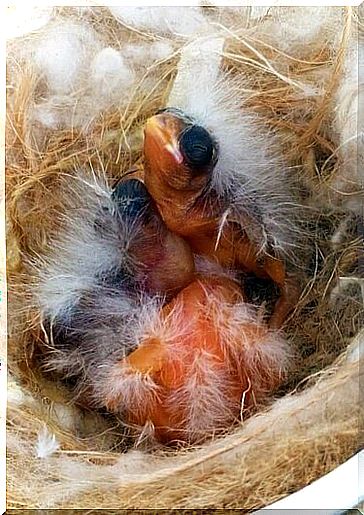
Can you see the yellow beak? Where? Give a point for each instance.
(158, 129)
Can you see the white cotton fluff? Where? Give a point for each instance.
(55, 112)
(312, 21)
(136, 53)
(356, 349)
(110, 73)
(299, 30)
(160, 50)
(201, 58)
(47, 443)
(63, 55)
(45, 115)
(82, 77)
(183, 21)
(15, 394)
(22, 19)
(347, 187)
(142, 55)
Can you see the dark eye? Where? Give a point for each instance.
(197, 146)
(132, 198)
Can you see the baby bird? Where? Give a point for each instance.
(163, 261)
(214, 187)
(208, 359)
(113, 265)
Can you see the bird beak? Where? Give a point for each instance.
(164, 134)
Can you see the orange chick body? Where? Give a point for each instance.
(178, 185)
(206, 360)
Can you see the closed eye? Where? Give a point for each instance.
(197, 146)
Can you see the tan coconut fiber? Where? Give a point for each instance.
(292, 65)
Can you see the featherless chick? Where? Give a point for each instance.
(215, 184)
(207, 362)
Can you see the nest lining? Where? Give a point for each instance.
(293, 92)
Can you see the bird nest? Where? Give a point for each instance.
(293, 67)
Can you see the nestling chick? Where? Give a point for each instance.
(206, 360)
(111, 267)
(227, 207)
(164, 262)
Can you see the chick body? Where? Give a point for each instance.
(110, 268)
(211, 360)
(179, 174)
